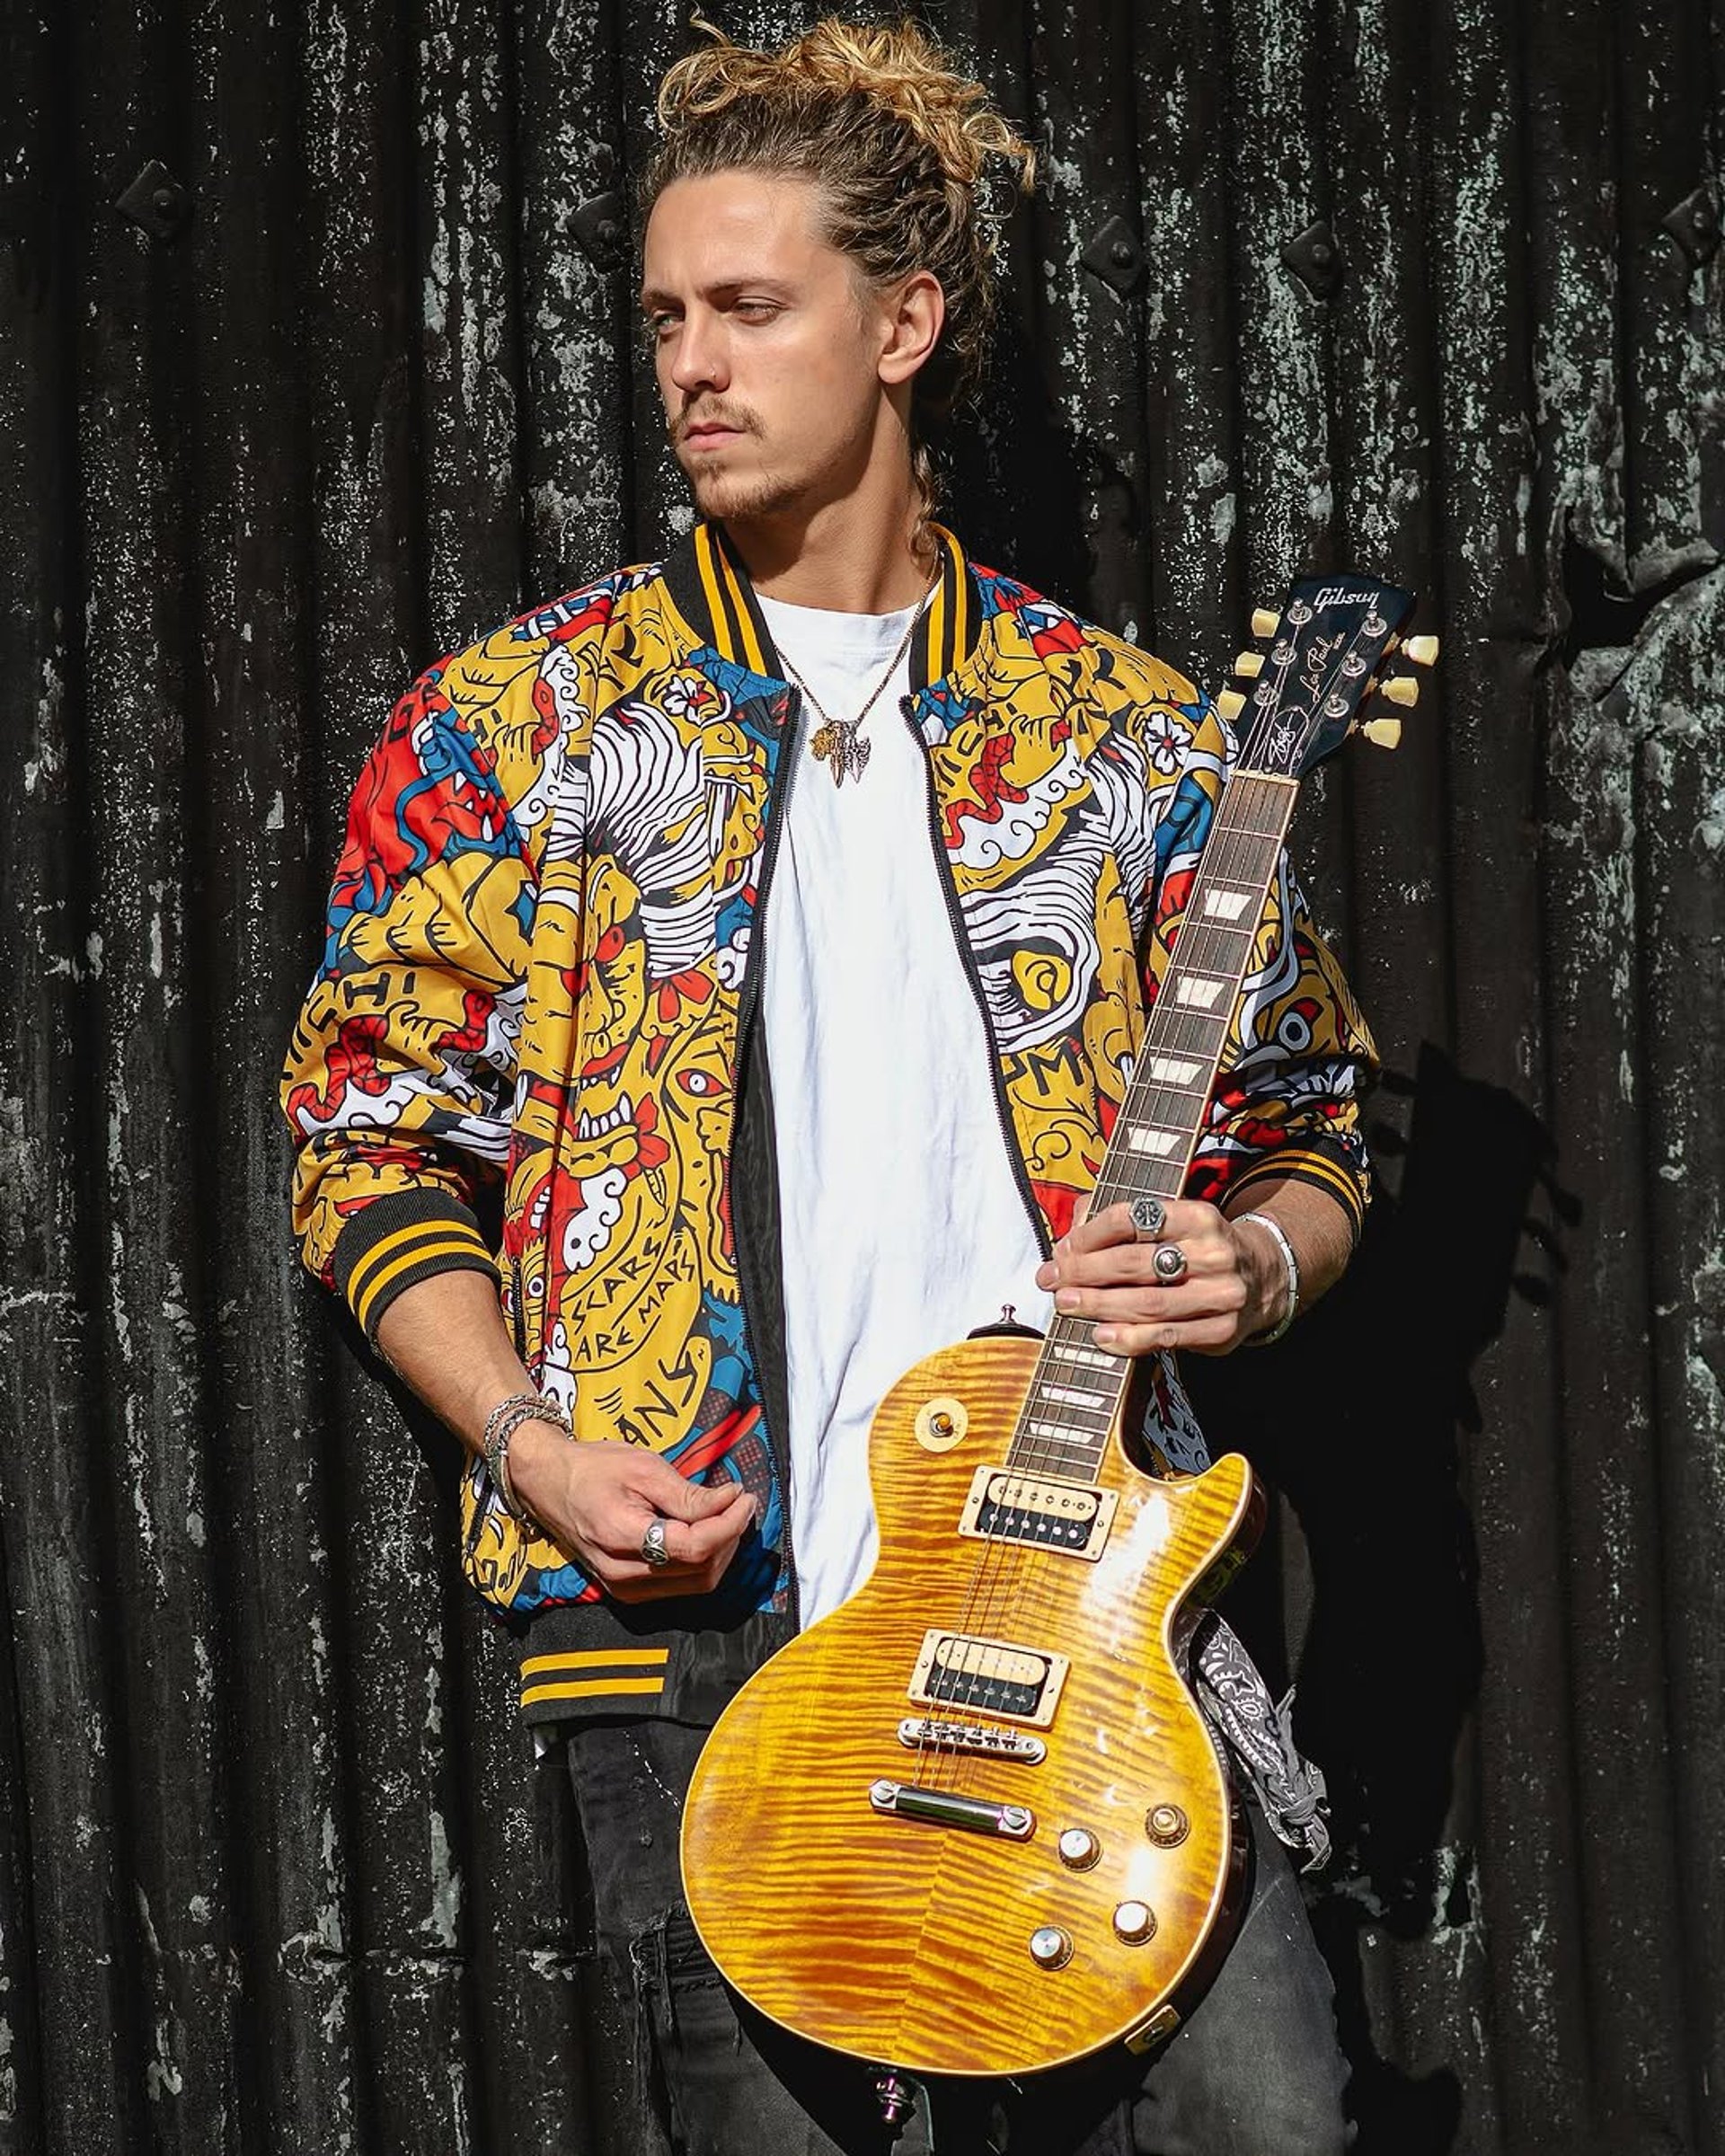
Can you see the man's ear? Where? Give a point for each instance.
(915, 316)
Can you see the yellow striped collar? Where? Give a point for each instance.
(710, 587)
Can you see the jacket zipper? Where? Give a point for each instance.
(747, 1009)
(955, 916)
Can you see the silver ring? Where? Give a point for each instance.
(1169, 1262)
(652, 1545)
(1149, 1218)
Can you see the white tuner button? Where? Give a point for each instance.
(1079, 1849)
(1134, 1922)
(1051, 1948)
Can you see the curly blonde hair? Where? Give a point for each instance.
(900, 146)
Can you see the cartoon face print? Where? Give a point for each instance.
(636, 1189)
(697, 1095)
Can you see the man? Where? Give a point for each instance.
(791, 1031)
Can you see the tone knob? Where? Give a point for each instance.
(1079, 1849)
(1167, 1826)
(1050, 1947)
(1134, 1922)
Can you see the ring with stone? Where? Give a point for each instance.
(652, 1545)
(1169, 1262)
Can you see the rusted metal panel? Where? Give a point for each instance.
(353, 374)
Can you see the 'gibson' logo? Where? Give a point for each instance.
(1334, 594)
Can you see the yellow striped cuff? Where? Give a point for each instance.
(1301, 1164)
(421, 1248)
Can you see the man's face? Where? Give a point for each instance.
(766, 342)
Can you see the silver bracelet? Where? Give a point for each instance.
(501, 1426)
(1275, 1332)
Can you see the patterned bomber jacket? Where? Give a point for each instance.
(539, 983)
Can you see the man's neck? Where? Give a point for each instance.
(850, 557)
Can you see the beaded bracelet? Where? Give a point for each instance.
(1275, 1332)
(501, 1426)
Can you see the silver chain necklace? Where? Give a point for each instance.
(835, 742)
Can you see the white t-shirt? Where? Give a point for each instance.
(903, 1227)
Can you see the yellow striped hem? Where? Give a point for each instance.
(592, 1688)
(533, 1665)
(460, 1244)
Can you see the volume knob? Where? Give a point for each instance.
(1079, 1849)
(1050, 1947)
(1134, 1922)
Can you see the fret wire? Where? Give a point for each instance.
(1052, 1382)
(1238, 856)
(1033, 1456)
(1071, 1435)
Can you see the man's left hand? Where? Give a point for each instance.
(1235, 1283)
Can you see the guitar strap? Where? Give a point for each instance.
(1260, 1734)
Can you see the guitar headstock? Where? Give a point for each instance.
(1314, 666)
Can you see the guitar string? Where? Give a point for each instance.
(1005, 1566)
(1004, 1563)
(1220, 860)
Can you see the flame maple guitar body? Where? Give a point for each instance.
(905, 1935)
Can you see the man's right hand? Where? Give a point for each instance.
(598, 1500)
(447, 1336)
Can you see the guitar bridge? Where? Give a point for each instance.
(923, 1733)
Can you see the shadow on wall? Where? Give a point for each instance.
(1356, 1419)
(1015, 479)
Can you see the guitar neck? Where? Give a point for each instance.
(1308, 688)
(1076, 1392)
(1167, 1103)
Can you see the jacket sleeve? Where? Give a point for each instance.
(1287, 1099)
(401, 1071)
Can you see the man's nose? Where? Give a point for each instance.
(698, 355)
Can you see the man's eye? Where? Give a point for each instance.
(756, 310)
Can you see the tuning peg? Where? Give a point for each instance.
(1230, 704)
(1265, 622)
(1251, 664)
(1402, 690)
(1420, 651)
(1382, 733)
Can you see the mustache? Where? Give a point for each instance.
(710, 415)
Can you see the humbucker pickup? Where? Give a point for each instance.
(1005, 1507)
(988, 1676)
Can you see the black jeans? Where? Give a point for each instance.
(1254, 2070)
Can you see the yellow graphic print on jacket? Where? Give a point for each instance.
(540, 973)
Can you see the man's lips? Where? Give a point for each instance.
(711, 435)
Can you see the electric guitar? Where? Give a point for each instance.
(973, 1822)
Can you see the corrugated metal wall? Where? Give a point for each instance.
(276, 1873)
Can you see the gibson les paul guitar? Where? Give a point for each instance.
(972, 1822)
